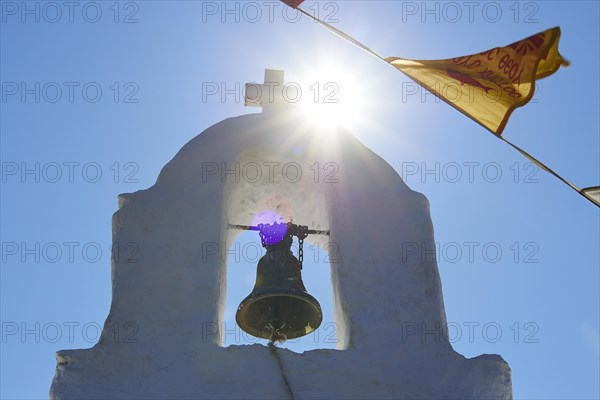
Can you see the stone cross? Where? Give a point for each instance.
(269, 95)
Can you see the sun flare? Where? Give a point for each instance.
(331, 97)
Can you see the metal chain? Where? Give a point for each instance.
(300, 251)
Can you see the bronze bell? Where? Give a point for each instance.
(279, 307)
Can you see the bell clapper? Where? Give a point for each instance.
(276, 325)
(277, 336)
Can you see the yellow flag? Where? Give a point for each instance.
(488, 86)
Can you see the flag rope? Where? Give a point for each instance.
(355, 42)
(546, 168)
(343, 35)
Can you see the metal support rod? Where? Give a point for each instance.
(256, 228)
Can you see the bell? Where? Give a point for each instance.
(279, 307)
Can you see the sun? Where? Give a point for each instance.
(331, 97)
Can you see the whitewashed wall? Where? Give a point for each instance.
(388, 301)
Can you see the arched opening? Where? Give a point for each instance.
(269, 196)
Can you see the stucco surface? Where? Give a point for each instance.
(388, 299)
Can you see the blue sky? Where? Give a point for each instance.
(98, 96)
